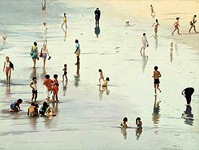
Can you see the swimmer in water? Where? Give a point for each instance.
(176, 26)
(105, 83)
(139, 123)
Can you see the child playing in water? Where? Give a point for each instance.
(105, 83)
(139, 123)
(14, 106)
(101, 76)
(156, 76)
(176, 25)
(33, 110)
(124, 122)
(65, 73)
(33, 85)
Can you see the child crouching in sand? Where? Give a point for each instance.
(14, 106)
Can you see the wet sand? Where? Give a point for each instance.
(89, 117)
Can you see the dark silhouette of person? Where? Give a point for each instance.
(97, 31)
(187, 93)
(97, 16)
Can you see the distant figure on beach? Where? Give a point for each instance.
(156, 25)
(47, 87)
(15, 106)
(64, 24)
(105, 83)
(156, 76)
(144, 62)
(176, 26)
(187, 93)
(8, 65)
(97, 13)
(4, 38)
(97, 31)
(34, 53)
(192, 24)
(124, 123)
(44, 53)
(33, 110)
(139, 123)
(152, 11)
(65, 73)
(101, 76)
(77, 51)
(44, 29)
(33, 85)
(43, 7)
(144, 44)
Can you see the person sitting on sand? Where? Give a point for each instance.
(101, 76)
(187, 93)
(33, 110)
(43, 108)
(105, 83)
(139, 123)
(192, 24)
(176, 26)
(124, 123)
(14, 106)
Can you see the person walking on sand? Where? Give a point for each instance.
(152, 11)
(48, 83)
(187, 93)
(144, 44)
(34, 53)
(64, 23)
(176, 26)
(77, 51)
(156, 25)
(44, 53)
(156, 76)
(97, 13)
(44, 29)
(192, 24)
(43, 7)
(7, 68)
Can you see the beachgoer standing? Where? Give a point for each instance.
(156, 25)
(97, 13)
(7, 68)
(77, 51)
(144, 44)
(187, 93)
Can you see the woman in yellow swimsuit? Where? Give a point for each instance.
(64, 22)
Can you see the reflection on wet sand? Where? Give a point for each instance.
(144, 62)
(42, 75)
(77, 76)
(138, 133)
(156, 41)
(55, 107)
(65, 87)
(171, 52)
(188, 116)
(97, 31)
(43, 7)
(102, 90)
(33, 122)
(33, 73)
(156, 110)
(8, 90)
(124, 133)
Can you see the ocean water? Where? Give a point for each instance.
(88, 117)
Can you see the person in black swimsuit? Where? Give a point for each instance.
(187, 93)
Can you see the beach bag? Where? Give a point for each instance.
(11, 65)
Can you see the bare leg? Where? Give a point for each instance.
(190, 29)
(158, 88)
(141, 51)
(44, 62)
(173, 31)
(9, 76)
(155, 89)
(178, 32)
(57, 97)
(195, 29)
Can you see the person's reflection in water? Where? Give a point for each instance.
(65, 32)
(55, 107)
(42, 75)
(124, 133)
(176, 48)
(33, 73)
(156, 41)
(138, 133)
(65, 87)
(77, 76)
(102, 90)
(33, 122)
(144, 62)
(156, 110)
(188, 116)
(97, 31)
(171, 52)
(8, 90)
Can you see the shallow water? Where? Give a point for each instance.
(88, 117)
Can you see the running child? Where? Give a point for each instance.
(15, 106)
(65, 73)
(101, 76)
(33, 85)
(156, 76)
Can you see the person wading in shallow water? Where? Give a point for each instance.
(77, 51)
(187, 93)
(97, 13)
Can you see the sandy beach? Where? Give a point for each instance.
(88, 117)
